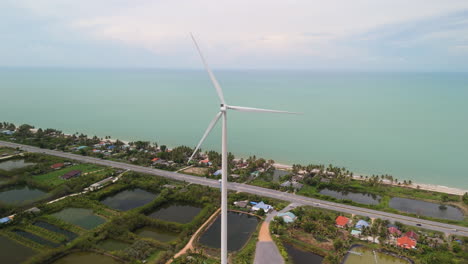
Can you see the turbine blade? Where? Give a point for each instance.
(251, 109)
(208, 130)
(210, 73)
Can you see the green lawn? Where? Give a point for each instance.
(53, 178)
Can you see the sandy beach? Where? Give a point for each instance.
(422, 186)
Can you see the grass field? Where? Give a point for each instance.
(53, 178)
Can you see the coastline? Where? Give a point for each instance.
(422, 186)
(281, 166)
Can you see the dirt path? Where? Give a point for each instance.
(189, 245)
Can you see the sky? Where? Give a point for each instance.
(358, 35)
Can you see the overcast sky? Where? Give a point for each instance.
(395, 35)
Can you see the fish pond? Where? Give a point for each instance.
(156, 234)
(365, 255)
(85, 257)
(12, 252)
(299, 256)
(68, 234)
(240, 228)
(362, 198)
(129, 199)
(426, 208)
(82, 217)
(14, 164)
(179, 213)
(35, 238)
(19, 195)
(112, 245)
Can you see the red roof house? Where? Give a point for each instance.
(205, 161)
(155, 159)
(394, 231)
(57, 166)
(341, 221)
(412, 235)
(406, 242)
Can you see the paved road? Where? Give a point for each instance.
(297, 199)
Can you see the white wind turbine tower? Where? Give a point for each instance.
(224, 151)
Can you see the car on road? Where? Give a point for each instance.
(418, 224)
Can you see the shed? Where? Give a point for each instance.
(288, 217)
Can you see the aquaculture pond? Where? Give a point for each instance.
(240, 228)
(85, 257)
(299, 256)
(82, 217)
(363, 198)
(156, 234)
(14, 164)
(68, 234)
(129, 199)
(364, 255)
(426, 208)
(176, 213)
(12, 252)
(35, 238)
(112, 245)
(19, 195)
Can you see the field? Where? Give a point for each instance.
(53, 178)
(196, 171)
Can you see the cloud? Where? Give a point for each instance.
(253, 34)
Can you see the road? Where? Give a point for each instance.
(241, 187)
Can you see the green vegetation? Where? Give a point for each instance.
(53, 178)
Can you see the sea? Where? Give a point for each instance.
(413, 126)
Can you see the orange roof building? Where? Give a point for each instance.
(57, 166)
(155, 159)
(406, 242)
(342, 221)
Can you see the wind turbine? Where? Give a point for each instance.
(224, 163)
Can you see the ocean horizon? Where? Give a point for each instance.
(410, 125)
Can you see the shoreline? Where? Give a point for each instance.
(282, 166)
(414, 185)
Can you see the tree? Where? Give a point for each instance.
(338, 244)
(465, 198)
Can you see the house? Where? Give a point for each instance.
(71, 174)
(342, 221)
(406, 242)
(412, 235)
(255, 174)
(356, 233)
(288, 217)
(295, 185)
(315, 171)
(206, 162)
(96, 151)
(111, 147)
(33, 210)
(57, 166)
(100, 184)
(155, 159)
(394, 231)
(4, 220)
(8, 132)
(217, 173)
(361, 224)
(261, 205)
(241, 204)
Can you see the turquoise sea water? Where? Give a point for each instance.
(411, 125)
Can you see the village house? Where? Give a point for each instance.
(241, 204)
(361, 224)
(394, 231)
(71, 174)
(412, 235)
(406, 242)
(295, 185)
(261, 206)
(57, 166)
(288, 217)
(98, 185)
(342, 221)
(356, 233)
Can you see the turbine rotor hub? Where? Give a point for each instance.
(223, 108)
